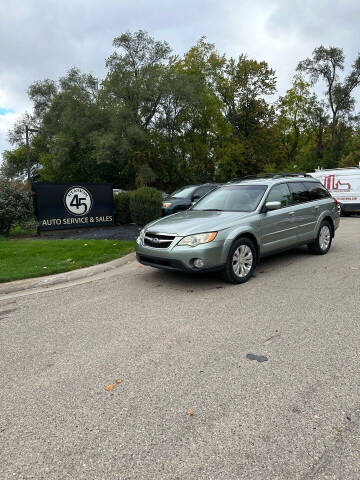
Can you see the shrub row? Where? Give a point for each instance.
(140, 206)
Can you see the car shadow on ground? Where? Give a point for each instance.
(213, 280)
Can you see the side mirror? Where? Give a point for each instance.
(269, 206)
(195, 198)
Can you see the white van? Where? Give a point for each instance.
(344, 185)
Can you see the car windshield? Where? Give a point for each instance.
(232, 198)
(184, 192)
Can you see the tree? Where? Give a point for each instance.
(42, 93)
(294, 108)
(243, 86)
(132, 93)
(14, 163)
(164, 120)
(325, 64)
(205, 129)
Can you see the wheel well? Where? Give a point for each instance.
(251, 237)
(330, 220)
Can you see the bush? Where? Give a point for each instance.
(122, 207)
(145, 205)
(15, 205)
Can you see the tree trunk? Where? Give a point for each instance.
(333, 128)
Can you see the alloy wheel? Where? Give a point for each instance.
(324, 237)
(242, 261)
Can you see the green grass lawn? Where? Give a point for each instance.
(36, 257)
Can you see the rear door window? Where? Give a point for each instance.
(317, 191)
(299, 192)
(280, 193)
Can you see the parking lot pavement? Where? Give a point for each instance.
(219, 382)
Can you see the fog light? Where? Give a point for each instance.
(198, 263)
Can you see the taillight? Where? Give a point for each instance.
(336, 202)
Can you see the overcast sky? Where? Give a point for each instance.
(44, 38)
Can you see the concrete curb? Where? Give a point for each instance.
(56, 279)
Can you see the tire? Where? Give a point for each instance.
(240, 271)
(321, 245)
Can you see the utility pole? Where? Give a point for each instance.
(27, 154)
(27, 130)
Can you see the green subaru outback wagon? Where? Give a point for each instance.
(231, 228)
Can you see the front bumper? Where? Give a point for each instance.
(182, 257)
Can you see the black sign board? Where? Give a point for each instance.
(73, 205)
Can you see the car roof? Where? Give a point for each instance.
(276, 178)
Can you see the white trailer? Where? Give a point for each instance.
(344, 185)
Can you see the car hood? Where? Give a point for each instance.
(196, 221)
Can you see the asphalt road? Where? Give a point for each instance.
(183, 343)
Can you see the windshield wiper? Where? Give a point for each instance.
(209, 210)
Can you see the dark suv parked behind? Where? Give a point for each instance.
(183, 198)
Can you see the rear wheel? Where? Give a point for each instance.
(241, 261)
(322, 243)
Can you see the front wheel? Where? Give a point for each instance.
(241, 261)
(322, 243)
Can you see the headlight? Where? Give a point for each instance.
(167, 204)
(141, 236)
(197, 239)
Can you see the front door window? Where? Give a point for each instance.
(280, 193)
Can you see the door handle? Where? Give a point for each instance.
(316, 207)
(291, 213)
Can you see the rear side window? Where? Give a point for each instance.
(299, 192)
(280, 193)
(317, 191)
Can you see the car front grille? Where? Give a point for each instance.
(158, 240)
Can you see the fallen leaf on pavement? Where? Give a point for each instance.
(109, 387)
(190, 412)
(140, 266)
(353, 268)
(119, 380)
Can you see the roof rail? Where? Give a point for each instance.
(291, 174)
(269, 175)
